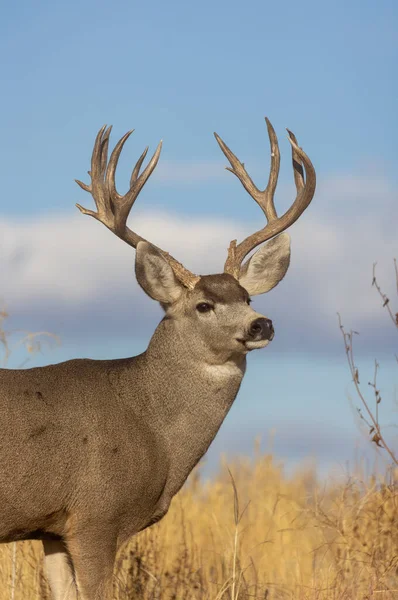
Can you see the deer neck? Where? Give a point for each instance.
(190, 395)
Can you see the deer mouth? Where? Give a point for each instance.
(250, 345)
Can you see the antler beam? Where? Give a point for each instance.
(113, 209)
(265, 198)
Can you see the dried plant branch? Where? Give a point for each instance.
(384, 297)
(31, 341)
(373, 422)
(396, 274)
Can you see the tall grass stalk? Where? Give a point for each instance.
(264, 536)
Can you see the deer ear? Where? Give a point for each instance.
(265, 269)
(155, 275)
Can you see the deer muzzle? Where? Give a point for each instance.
(261, 329)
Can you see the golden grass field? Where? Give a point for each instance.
(296, 539)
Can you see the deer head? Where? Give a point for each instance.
(214, 309)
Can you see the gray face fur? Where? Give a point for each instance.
(215, 319)
(222, 331)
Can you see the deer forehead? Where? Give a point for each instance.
(222, 288)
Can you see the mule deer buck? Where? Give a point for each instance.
(93, 451)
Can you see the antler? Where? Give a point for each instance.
(265, 198)
(112, 208)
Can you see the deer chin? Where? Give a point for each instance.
(250, 345)
(256, 345)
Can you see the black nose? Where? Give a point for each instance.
(261, 329)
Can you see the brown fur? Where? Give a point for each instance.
(92, 452)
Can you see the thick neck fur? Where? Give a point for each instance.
(188, 396)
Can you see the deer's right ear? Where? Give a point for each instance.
(155, 275)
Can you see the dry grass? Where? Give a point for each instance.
(278, 538)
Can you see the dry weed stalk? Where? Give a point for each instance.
(297, 539)
(384, 297)
(371, 416)
(32, 342)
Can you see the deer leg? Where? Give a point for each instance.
(93, 555)
(59, 570)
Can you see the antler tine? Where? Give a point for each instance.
(111, 168)
(112, 208)
(298, 170)
(96, 157)
(98, 149)
(104, 149)
(125, 203)
(275, 225)
(98, 167)
(264, 198)
(269, 191)
(137, 167)
(147, 172)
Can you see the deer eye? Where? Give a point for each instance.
(204, 307)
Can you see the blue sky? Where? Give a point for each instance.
(180, 71)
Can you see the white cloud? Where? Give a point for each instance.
(76, 265)
(76, 260)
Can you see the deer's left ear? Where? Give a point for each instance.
(265, 269)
